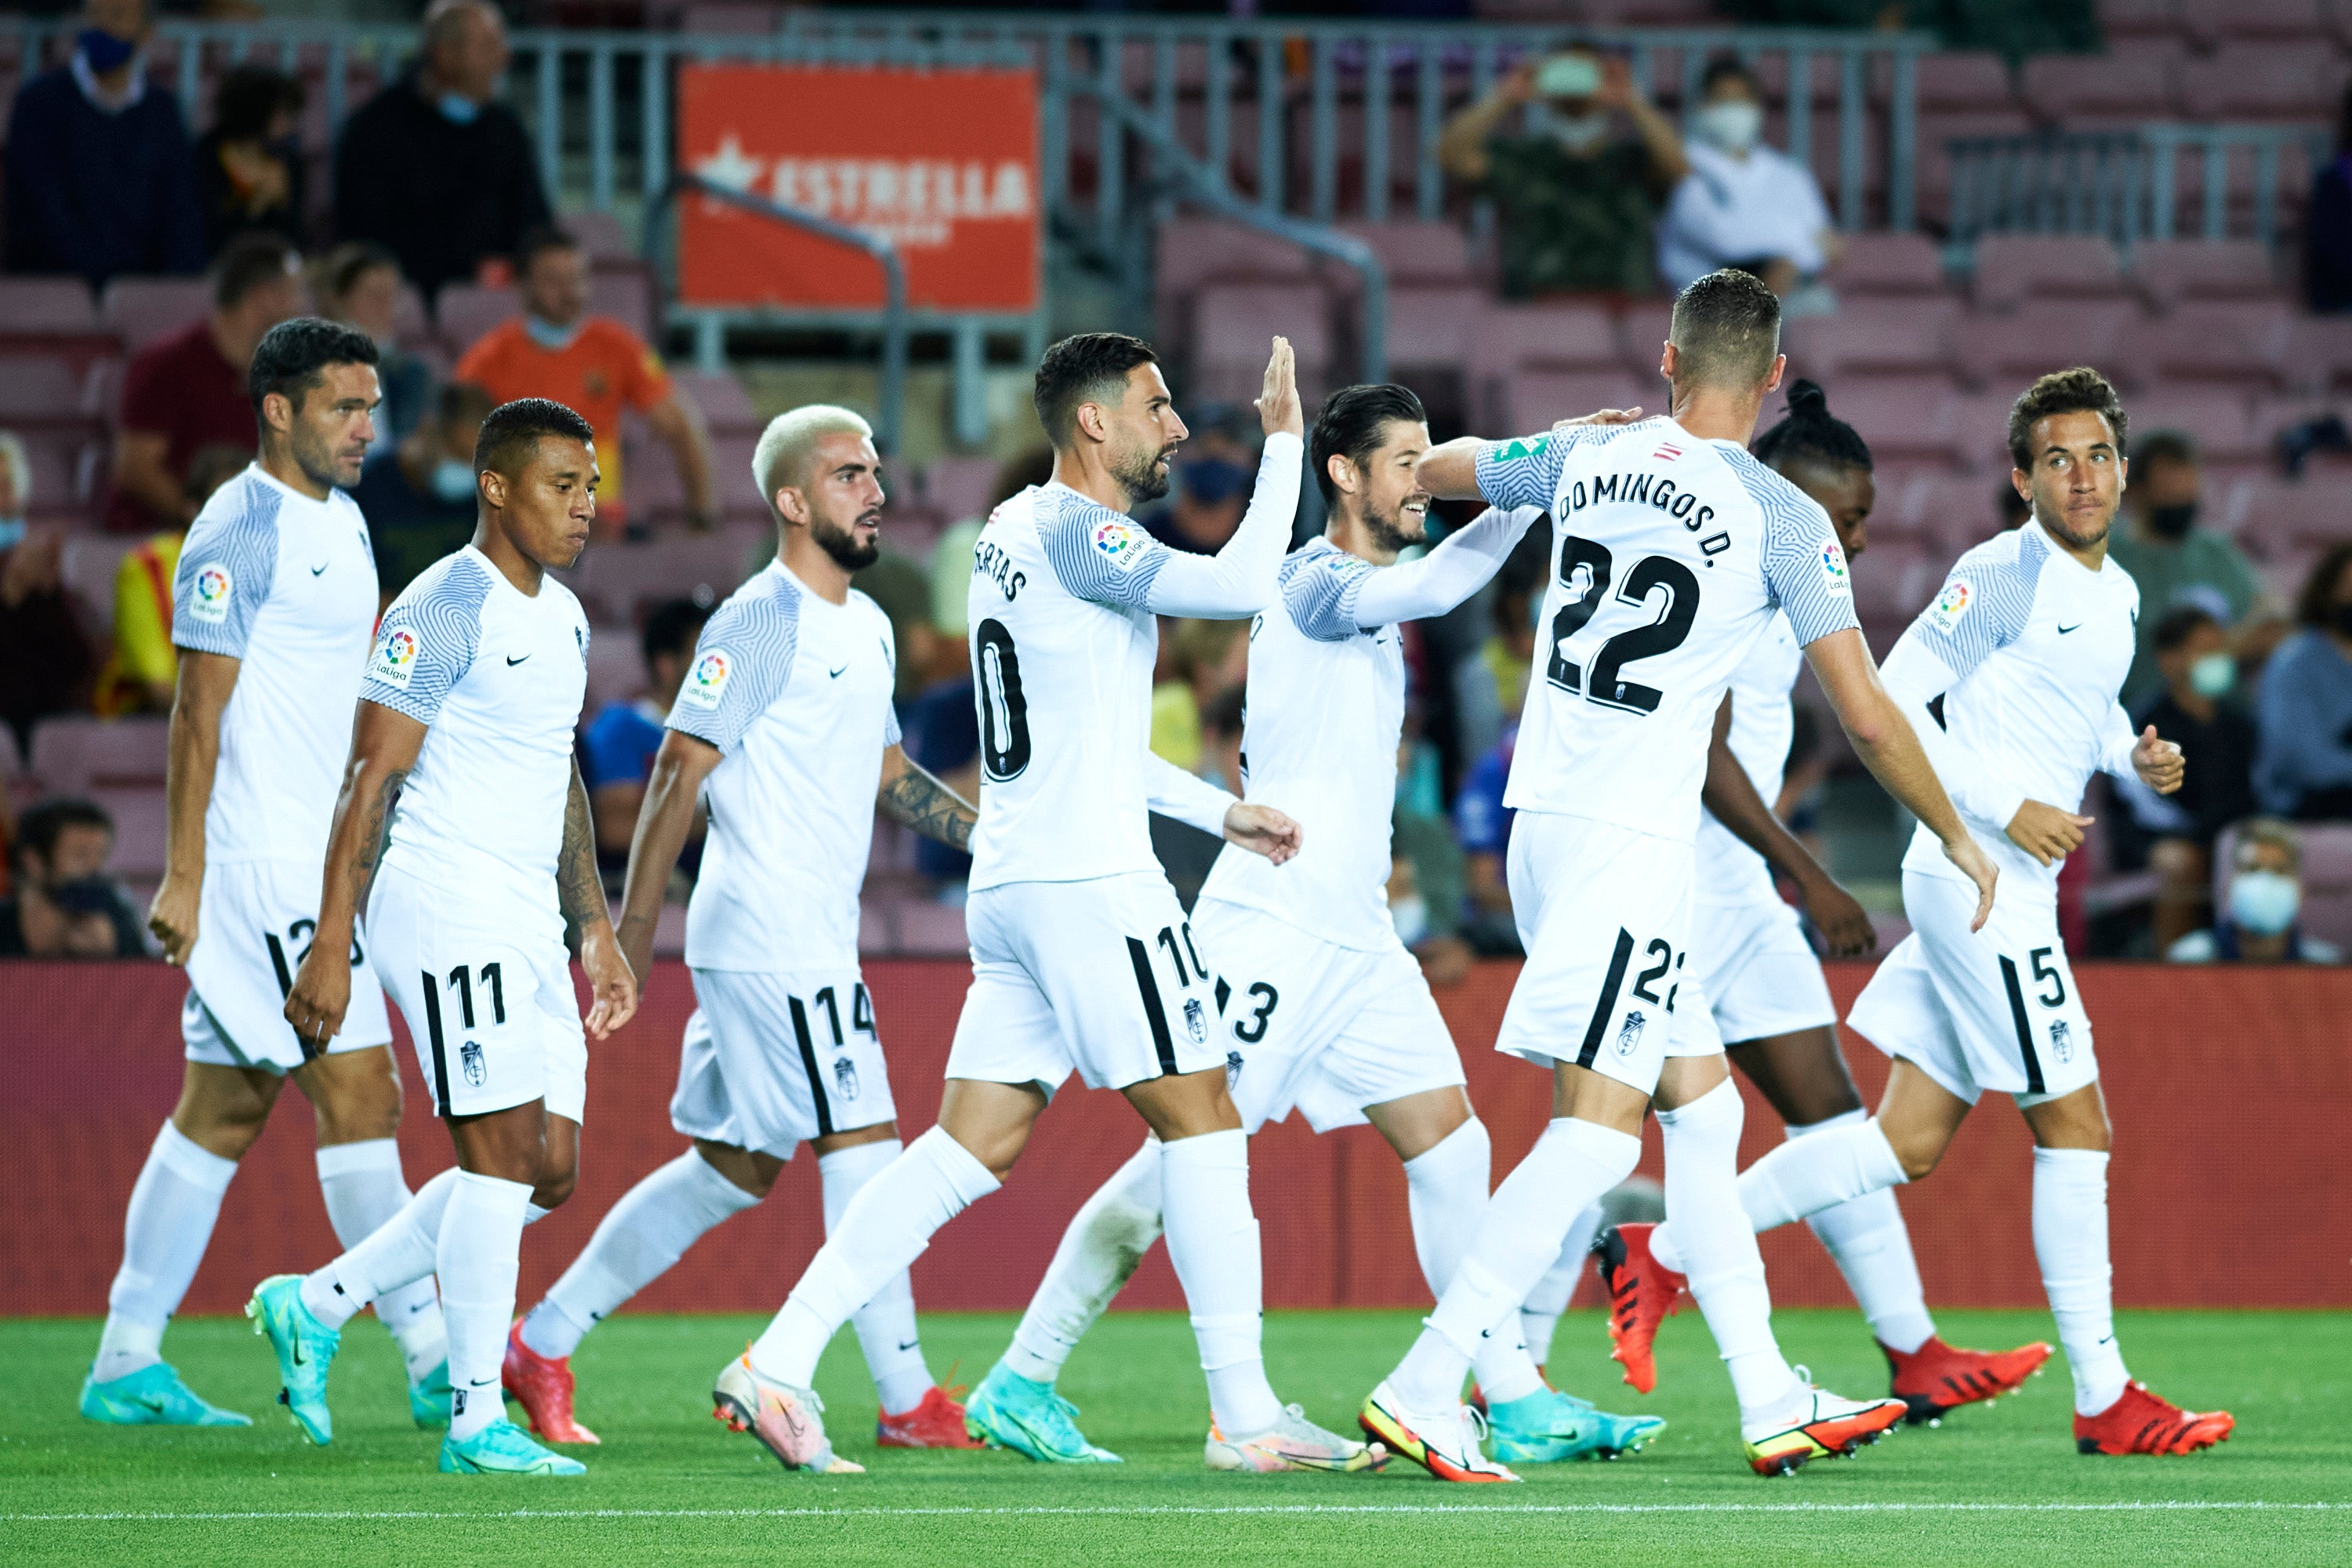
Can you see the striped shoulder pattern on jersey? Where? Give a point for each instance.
(1802, 563)
(1096, 554)
(1524, 470)
(1320, 583)
(428, 638)
(1985, 600)
(743, 662)
(227, 568)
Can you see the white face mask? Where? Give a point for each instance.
(1579, 133)
(2264, 902)
(1732, 125)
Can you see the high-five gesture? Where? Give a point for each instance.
(1278, 405)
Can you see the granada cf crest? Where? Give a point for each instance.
(1232, 1070)
(1196, 1020)
(477, 1072)
(2062, 1040)
(1630, 1035)
(845, 1078)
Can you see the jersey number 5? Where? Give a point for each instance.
(1585, 568)
(1004, 711)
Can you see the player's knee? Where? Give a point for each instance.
(555, 1186)
(1919, 1160)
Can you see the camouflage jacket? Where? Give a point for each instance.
(1572, 223)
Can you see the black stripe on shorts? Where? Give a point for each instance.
(432, 1035)
(1606, 1008)
(808, 1064)
(286, 989)
(1162, 1042)
(2025, 1027)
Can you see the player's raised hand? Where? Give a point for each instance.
(611, 984)
(1278, 407)
(172, 916)
(1971, 857)
(1262, 830)
(2159, 763)
(2046, 833)
(1845, 925)
(322, 992)
(1601, 416)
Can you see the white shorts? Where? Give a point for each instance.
(1995, 1009)
(1098, 978)
(1605, 915)
(1318, 1028)
(773, 1061)
(254, 921)
(490, 1005)
(1760, 974)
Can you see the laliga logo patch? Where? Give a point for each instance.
(214, 586)
(395, 656)
(2062, 1040)
(1833, 567)
(1196, 1020)
(845, 1078)
(707, 683)
(1631, 1035)
(1121, 545)
(1951, 605)
(477, 1072)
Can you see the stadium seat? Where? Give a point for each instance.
(1557, 337)
(2167, 271)
(603, 236)
(726, 406)
(466, 311)
(1946, 513)
(625, 292)
(616, 581)
(1536, 399)
(2210, 23)
(2263, 512)
(47, 306)
(2083, 91)
(1873, 336)
(141, 310)
(2043, 335)
(616, 669)
(1234, 321)
(1416, 252)
(67, 467)
(87, 564)
(2139, 18)
(1895, 579)
(2010, 268)
(2270, 81)
(37, 389)
(1434, 326)
(1899, 415)
(2240, 342)
(73, 755)
(1881, 264)
(2216, 418)
(958, 488)
(1194, 251)
(1642, 331)
(1949, 81)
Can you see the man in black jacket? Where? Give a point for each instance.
(434, 168)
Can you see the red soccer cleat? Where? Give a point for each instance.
(2141, 1422)
(542, 1386)
(936, 1423)
(1642, 1293)
(1936, 1379)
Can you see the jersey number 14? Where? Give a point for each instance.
(1585, 569)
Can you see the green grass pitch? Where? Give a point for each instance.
(1996, 1484)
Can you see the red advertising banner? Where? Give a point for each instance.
(942, 162)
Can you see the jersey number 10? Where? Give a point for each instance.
(1585, 568)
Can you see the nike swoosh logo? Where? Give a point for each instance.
(910, 1344)
(150, 1403)
(2075, 627)
(316, 570)
(512, 661)
(836, 674)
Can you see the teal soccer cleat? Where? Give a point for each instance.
(1548, 1426)
(428, 1400)
(503, 1448)
(306, 1348)
(152, 1396)
(1009, 1410)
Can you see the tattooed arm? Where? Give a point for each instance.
(587, 922)
(384, 744)
(916, 798)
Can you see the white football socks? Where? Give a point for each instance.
(1834, 1163)
(1872, 1247)
(1519, 1238)
(399, 1252)
(886, 1227)
(1445, 1193)
(2070, 1241)
(1539, 1313)
(1212, 1240)
(645, 1233)
(477, 1257)
(173, 1209)
(365, 1189)
(1718, 1245)
(1098, 1254)
(886, 1324)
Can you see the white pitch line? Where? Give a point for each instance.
(2189, 1505)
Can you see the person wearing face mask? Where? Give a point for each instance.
(359, 284)
(1743, 204)
(64, 905)
(419, 498)
(250, 169)
(2304, 767)
(1577, 198)
(100, 179)
(2178, 561)
(2217, 788)
(1213, 475)
(435, 168)
(2258, 923)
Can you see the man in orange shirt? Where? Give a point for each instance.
(592, 364)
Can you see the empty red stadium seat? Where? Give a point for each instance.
(2217, 418)
(2080, 90)
(1641, 334)
(74, 755)
(1873, 336)
(2262, 81)
(1233, 323)
(1955, 80)
(2209, 23)
(1899, 415)
(726, 406)
(88, 565)
(2138, 18)
(467, 311)
(1433, 326)
(1194, 251)
(1416, 252)
(2041, 336)
(626, 293)
(1538, 399)
(141, 310)
(1880, 263)
(2010, 268)
(2242, 341)
(47, 306)
(1560, 337)
(40, 389)
(1948, 513)
(617, 580)
(958, 488)
(2166, 271)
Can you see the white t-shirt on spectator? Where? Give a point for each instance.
(1729, 209)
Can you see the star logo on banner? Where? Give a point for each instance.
(729, 167)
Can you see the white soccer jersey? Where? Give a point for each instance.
(1763, 724)
(286, 585)
(2027, 647)
(500, 677)
(795, 692)
(1669, 555)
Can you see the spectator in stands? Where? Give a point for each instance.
(1426, 886)
(2258, 923)
(1483, 824)
(2327, 224)
(419, 498)
(2176, 562)
(594, 365)
(64, 905)
(359, 284)
(248, 166)
(45, 661)
(142, 674)
(2304, 768)
(1578, 199)
(617, 751)
(1743, 204)
(185, 390)
(1221, 739)
(15, 489)
(1204, 658)
(1214, 473)
(100, 182)
(2218, 741)
(434, 168)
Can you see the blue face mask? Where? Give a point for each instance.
(1213, 481)
(548, 336)
(2264, 902)
(453, 480)
(12, 531)
(457, 108)
(103, 50)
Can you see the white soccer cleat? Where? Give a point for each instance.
(789, 1422)
(1816, 1425)
(1446, 1443)
(1293, 1443)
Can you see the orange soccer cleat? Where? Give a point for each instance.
(1936, 1379)
(542, 1386)
(936, 1423)
(1642, 1293)
(2141, 1422)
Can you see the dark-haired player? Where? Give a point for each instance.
(1770, 1002)
(2010, 677)
(1673, 549)
(1327, 1013)
(475, 886)
(272, 603)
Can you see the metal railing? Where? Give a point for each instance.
(2127, 186)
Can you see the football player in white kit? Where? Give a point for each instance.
(1082, 957)
(272, 605)
(1770, 1000)
(1673, 549)
(464, 822)
(1327, 1013)
(2015, 667)
(783, 727)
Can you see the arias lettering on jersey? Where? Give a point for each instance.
(989, 562)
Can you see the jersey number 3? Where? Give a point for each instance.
(1004, 711)
(1585, 568)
